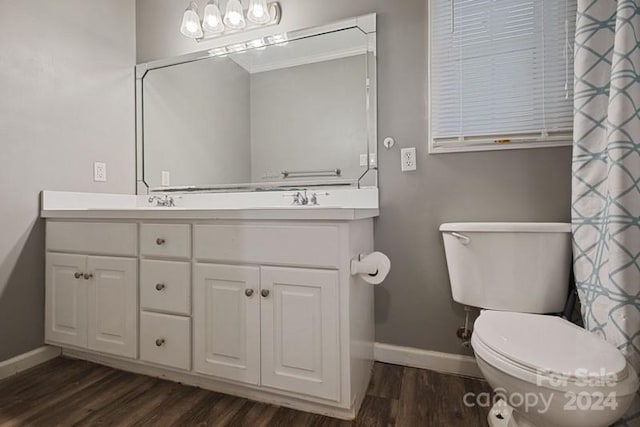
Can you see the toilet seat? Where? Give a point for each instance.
(550, 351)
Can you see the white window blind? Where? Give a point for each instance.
(501, 73)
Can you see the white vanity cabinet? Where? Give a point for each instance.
(299, 329)
(265, 309)
(273, 326)
(165, 294)
(226, 330)
(91, 300)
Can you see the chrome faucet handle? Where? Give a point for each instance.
(304, 200)
(313, 200)
(295, 198)
(164, 200)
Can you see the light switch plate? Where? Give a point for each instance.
(408, 157)
(100, 172)
(363, 160)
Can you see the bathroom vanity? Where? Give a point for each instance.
(231, 268)
(253, 302)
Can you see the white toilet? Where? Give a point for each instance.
(548, 371)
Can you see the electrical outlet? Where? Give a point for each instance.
(99, 172)
(166, 178)
(408, 157)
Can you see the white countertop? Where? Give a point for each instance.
(334, 204)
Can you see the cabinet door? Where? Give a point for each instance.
(66, 296)
(226, 322)
(300, 338)
(112, 305)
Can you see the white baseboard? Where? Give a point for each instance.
(424, 359)
(28, 360)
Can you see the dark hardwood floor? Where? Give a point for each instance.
(65, 392)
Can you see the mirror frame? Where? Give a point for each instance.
(365, 23)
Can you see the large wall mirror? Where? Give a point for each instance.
(287, 110)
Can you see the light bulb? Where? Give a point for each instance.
(212, 22)
(191, 22)
(234, 15)
(258, 12)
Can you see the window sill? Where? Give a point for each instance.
(451, 148)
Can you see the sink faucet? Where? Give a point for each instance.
(164, 200)
(302, 199)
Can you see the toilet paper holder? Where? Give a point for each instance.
(359, 267)
(372, 268)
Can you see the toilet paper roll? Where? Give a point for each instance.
(372, 268)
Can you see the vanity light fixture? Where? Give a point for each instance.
(258, 44)
(218, 51)
(278, 39)
(259, 14)
(237, 48)
(191, 22)
(234, 16)
(212, 21)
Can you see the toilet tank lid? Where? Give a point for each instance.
(508, 227)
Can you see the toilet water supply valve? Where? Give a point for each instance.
(464, 333)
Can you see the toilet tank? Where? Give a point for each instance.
(522, 267)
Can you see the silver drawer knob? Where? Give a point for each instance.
(160, 286)
(77, 275)
(248, 292)
(265, 293)
(88, 276)
(160, 342)
(160, 241)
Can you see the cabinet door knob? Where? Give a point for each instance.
(248, 292)
(160, 241)
(77, 275)
(265, 293)
(160, 286)
(88, 276)
(160, 342)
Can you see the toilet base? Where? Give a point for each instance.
(503, 415)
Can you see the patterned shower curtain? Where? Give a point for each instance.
(606, 173)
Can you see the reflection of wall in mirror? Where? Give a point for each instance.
(196, 124)
(309, 117)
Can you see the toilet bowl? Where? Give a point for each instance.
(544, 370)
(551, 372)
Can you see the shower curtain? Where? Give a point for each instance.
(606, 174)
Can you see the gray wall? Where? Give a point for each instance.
(197, 124)
(413, 306)
(309, 117)
(66, 85)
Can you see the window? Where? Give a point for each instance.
(501, 74)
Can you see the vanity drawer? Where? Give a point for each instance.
(100, 238)
(293, 245)
(165, 340)
(165, 286)
(165, 240)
